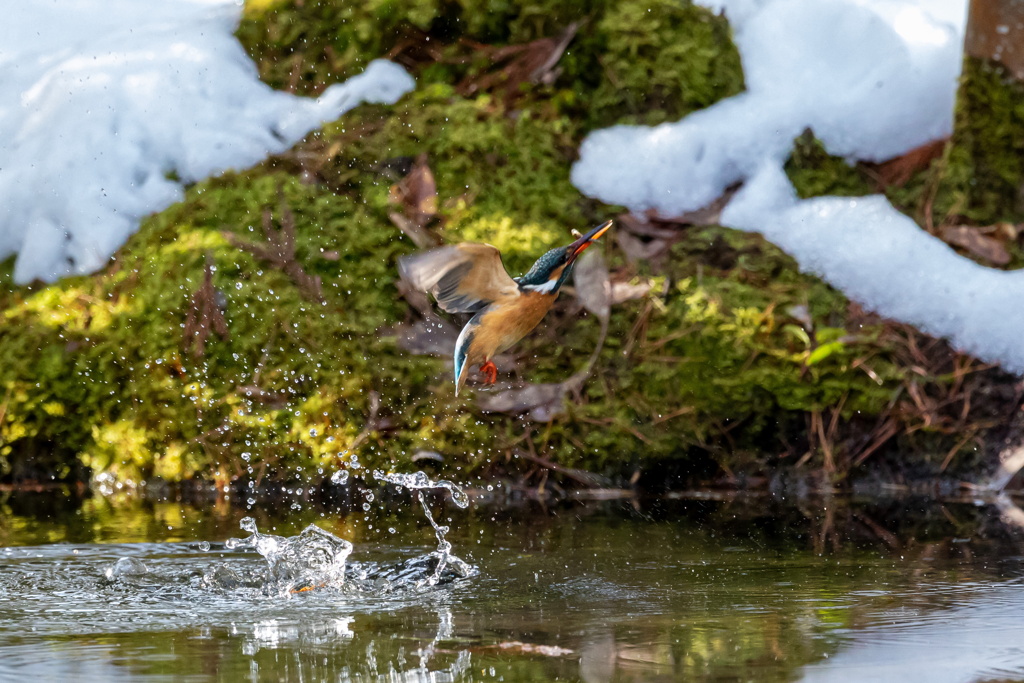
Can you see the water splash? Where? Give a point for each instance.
(420, 482)
(313, 559)
(318, 559)
(125, 567)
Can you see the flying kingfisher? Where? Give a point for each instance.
(470, 278)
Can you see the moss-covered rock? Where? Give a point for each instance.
(726, 357)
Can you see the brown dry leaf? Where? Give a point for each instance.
(707, 215)
(533, 62)
(416, 193)
(416, 197)
(637, 249)
(647, 237)
(541, 401)
(591, 282)
(628, 291)
(205, 314)
(977, 242)
(643, 227)
(419, 235)
(896, 172)
(428, 337)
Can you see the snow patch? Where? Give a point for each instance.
(109, 106)
(879, 256)
(873, 79)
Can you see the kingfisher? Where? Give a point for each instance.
(470, 278)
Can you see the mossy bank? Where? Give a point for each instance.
(733, 362)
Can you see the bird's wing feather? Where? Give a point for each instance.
(463, 277)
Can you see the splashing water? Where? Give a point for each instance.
(420, 482)
(313, 559)
(318, 559)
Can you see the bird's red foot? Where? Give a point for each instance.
(491, 371)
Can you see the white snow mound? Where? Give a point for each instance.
(108, 106)
(873, 79)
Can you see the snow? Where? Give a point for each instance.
(109, 106)
(873, 79)
(879, 256)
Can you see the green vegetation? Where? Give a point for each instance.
(984, 173)
(728, 358)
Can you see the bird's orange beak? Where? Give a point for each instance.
(580, 245)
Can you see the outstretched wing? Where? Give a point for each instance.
(463, 278)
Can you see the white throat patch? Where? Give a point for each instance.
(544, 288)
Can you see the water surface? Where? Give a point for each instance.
(754, 589)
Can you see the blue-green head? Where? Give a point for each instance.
(552, 269)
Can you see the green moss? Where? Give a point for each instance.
(102, 371)
(94, 371)
(500, 179)
(814, 172)
(630, 61)
(661, 61)
(983, 176)
(723, 347)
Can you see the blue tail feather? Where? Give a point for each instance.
(462, 350)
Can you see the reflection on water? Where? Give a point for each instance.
(978, 639)
(754, 589)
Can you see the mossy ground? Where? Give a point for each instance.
(733, 360)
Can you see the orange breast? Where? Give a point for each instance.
(507, 323)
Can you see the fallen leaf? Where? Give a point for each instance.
(430, 336)
(637, 249)
(414, 48)
(975, 241)
(416, 197)
(541, 401)
(706, 215)
(896, 172)
(628, 291)
(591, 282)
(416, 193)
(643, 227)
(419, 235)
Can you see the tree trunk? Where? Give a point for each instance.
(983, 179)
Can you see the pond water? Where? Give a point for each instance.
(698, 588)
